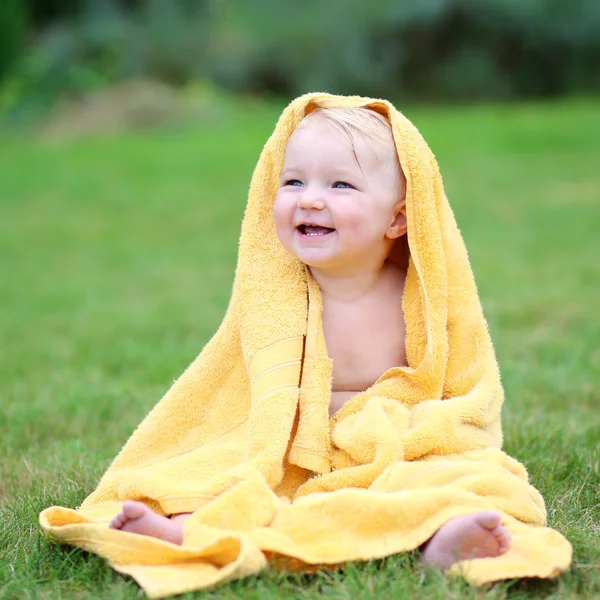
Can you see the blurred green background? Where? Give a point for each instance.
(411, 50)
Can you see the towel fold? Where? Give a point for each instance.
(239, 437)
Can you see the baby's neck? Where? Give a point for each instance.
(351, 286)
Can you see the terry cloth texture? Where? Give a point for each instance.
(239, 436)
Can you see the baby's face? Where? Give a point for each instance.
(335, 212)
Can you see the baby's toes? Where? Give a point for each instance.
(503, 538)
(118, 521)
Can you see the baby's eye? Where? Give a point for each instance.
(343, 185)
(294, 182)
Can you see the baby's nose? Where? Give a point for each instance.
(311, 199)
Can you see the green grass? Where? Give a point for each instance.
(117, 257)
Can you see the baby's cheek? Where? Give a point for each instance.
(283, 216)
(284, 203)
(280, 212)
(354, 221)
(363, 232)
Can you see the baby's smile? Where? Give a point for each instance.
(310, 230)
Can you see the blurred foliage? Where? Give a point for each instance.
(13, 21)
(411, 49)
(419, 48)
(103, 43)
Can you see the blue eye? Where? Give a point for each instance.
(342, 183)
(294, 182)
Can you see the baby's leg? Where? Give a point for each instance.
(480, 535)
(136, 517)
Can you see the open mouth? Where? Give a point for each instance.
(314, 230)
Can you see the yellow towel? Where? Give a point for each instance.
(239, 437)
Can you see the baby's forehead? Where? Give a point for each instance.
(353, 144)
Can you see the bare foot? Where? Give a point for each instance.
(138, 518)
(481, 535)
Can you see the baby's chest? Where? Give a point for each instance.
(363, 347)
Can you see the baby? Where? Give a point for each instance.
(341, 210)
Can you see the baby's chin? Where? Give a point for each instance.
(331, 263)
(324, 254)
(317, 258)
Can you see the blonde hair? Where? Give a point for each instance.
(349, 121)
(375, 127)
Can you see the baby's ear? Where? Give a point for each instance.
(398, 225)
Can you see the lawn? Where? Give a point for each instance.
(117, 261)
